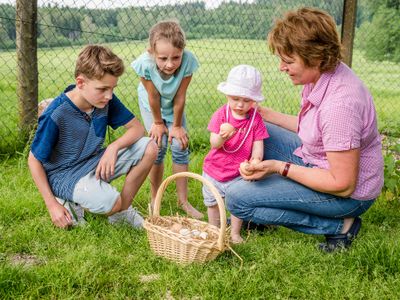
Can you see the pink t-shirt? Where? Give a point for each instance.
(338, 114)
(220, 164)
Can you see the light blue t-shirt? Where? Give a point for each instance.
(145, 66)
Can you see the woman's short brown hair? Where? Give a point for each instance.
(94, 61)
(309, 33)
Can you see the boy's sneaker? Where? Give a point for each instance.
(75, 210)
(130, 216)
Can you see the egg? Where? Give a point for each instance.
(195, 232)
(243, 168)
(226, 127)
(184, 231)
(203, 235)
(176, 227)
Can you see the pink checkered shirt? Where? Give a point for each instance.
(338, 114)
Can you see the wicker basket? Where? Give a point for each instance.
(186, 249)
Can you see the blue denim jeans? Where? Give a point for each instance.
(179, 156)
(280, 201)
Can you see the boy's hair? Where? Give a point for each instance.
(311, 34)
(94, 61)
(169, 30)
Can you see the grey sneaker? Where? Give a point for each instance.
(130, 216)
(75, 210)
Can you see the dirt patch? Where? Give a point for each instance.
(149, 278)
(27, 260)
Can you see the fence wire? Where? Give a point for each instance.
(220, 33)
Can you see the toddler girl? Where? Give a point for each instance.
(237, 133)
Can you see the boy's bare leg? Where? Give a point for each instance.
(181, 187)
(236, 225)
(156, 176)
(136, 176)
(213, 215)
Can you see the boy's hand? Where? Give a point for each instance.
(157, 131)
(180, 134)
(60, 215)
(106, 167)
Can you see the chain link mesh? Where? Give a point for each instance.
(220, 33)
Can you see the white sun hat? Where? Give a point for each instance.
(243, 81)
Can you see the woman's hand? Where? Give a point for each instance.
(179, 133)
(157, 131)
(260, 170)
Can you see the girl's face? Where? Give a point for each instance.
(167, 57)
(240, 105)
(297, 71)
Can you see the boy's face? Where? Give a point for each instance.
(96, 92)
(240, 105)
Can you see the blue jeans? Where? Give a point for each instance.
(280, 201)
(179, 156)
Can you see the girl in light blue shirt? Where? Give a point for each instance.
(165, 71)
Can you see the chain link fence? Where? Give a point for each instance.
(220, 33)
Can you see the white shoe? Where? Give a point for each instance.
(75, 210)
(130, 216)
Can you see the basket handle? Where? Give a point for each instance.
(214, 191)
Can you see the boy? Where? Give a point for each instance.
(67, 159)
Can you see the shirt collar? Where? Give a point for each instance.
(316, 94)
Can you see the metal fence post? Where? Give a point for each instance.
(348, 26)
(27, 74)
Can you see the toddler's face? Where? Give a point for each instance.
(167, 57)
(240, 105)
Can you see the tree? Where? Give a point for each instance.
(383, 38)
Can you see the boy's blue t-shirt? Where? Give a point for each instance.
(69, 143)
(145, 66)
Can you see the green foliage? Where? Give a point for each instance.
(391, 187)
(383, 39)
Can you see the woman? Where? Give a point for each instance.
(323, 168)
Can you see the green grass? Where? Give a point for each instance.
(216, 57)
(101, 261)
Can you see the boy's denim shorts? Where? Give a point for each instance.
(209, 198)
(99, 196)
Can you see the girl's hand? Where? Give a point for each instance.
(261, 170)
(179, 133)
(226, 131)
(106, 167)
(157, 131)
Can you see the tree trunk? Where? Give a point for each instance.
(27, 73)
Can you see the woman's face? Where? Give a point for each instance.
(297, 71)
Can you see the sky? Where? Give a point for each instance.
(123, 3)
